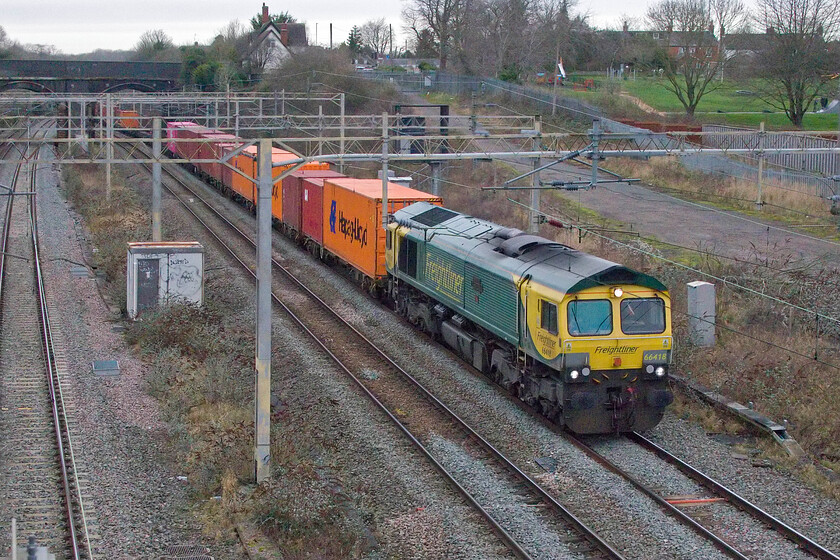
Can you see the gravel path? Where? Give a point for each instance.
(689, 224)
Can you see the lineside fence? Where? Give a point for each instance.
(805, 173)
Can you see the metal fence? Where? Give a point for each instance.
(456, 84)
(804, 173)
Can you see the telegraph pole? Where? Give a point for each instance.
(262, 403)
(156, 183)
(385, 171)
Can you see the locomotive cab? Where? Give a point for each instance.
(611, 346)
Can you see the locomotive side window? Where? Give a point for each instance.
(548, 316)
(643, 316)
(408, 258)
(590, 317)
(388, 242)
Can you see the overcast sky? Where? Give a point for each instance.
(77, 26)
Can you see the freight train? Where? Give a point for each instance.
(584, 340)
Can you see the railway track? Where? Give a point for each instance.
(39, 480)
(706, 503)
(416, 412)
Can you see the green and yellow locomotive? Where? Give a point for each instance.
(585, 340)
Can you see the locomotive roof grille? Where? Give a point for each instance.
(434, 216)
(520, 244)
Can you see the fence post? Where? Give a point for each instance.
(759, 202)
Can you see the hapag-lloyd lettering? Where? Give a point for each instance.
(352, 229)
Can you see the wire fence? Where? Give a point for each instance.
(805, 173)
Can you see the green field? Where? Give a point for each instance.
(724, 105)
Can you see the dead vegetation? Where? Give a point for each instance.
(780, 201)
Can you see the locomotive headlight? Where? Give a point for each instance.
(660, 371)
(649, 368)
(574, 374)
(618, 292)
(585, 371)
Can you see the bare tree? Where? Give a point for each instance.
(444, 18)
(154, 44)
(691, 57)
(729, 16)
(376, 36)
(797, 61)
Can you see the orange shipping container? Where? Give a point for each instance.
(129, 119)
(353, 219)
(247, 163)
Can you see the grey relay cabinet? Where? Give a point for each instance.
(160, 272)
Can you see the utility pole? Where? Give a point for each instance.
(385, 141)
(331, 43)
(109, 146)
(556, 72)
(435, 166)
(262, 401)
(156, 183)
(596, 137)
(534, 226)
(341, 135)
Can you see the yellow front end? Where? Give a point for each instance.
(610, 347)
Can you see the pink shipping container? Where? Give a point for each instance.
(190, 150)
(302, 200)
(211, 150)
(175, 129)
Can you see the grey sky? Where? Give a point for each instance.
(76, 26)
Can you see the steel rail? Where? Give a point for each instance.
(4, 242)
(670, 509)
(595, 540)
(737, 500)
(69, 478)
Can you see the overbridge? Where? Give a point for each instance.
(76, 76)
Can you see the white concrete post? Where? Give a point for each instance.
(701, 313)
(262, 403)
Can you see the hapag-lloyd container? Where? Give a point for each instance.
(352, 219)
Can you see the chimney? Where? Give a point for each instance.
(265, 17)
(284, 34)
(625, 27)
